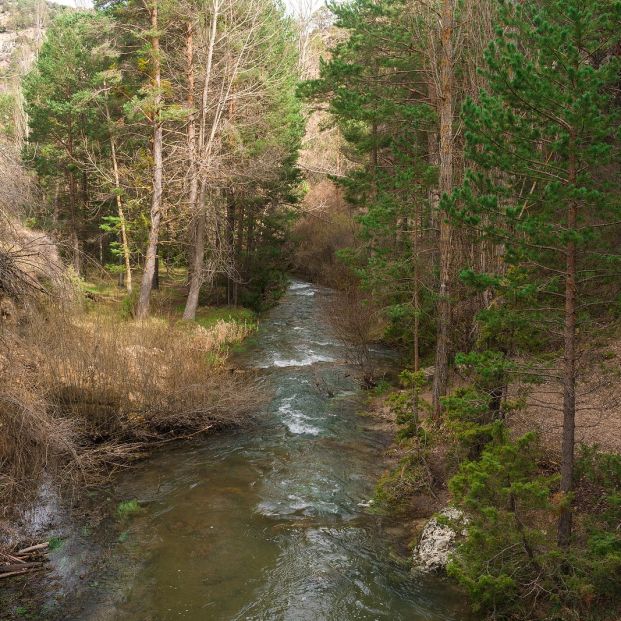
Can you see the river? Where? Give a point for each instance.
(264, 524)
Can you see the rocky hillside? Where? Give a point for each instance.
(22, 28)
(22, 24)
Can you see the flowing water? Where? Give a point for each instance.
(266, 524)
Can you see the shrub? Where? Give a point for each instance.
(138, 379)
(82, 393)
(510, 563)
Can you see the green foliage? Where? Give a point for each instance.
(128, 508)
(509, 562)
(540, 140)
(407, 405)
(396, 488)
(600, 566)
(91, 96)
(7, 110)
(547, 110)
(128, 304)
(411, 476)
(209, 316)
(55, 543)
(112, 224)
(471, 420)
(372, 85)
(504, 553)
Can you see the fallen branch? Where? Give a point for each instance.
(25, 560)
(28, 550)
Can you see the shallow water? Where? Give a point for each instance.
(268, 524)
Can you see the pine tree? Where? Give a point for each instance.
(377, 89)
(544, 185)
(62, 117)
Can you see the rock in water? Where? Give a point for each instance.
(438, 540)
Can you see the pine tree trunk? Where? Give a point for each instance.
(120, 211)
(198, 257)
(239, 250)
(230, 250)
(76, 249)
(416, 299)
(569, 366)
(146, 285)
(445, 96)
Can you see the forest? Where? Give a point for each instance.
(353, 270)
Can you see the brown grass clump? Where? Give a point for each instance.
(136, 380)
(81, 394)
(32, 438)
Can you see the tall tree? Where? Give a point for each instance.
(62, 118)
(247, 54)
(155, 118)
(543, 140)
(444, 95)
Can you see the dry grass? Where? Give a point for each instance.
(32, 438)
(82, 393)
(598, 402)
(134, 380)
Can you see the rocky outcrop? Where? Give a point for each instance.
(438, 540)
(22, 29)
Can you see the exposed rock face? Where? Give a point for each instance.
(438, 541)
(22, 28)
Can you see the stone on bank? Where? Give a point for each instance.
(438, 540)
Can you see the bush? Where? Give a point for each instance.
(135, 379)
(412, 475)
(510, 563)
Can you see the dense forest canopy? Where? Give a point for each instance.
(142, 117)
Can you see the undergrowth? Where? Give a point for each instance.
(82, 392)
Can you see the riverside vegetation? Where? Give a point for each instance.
(452, 168)
(126, 173)
(483, 175)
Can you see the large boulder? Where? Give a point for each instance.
(438, 540)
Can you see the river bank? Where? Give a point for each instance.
(270, 522)
(464, 494)
(87, 390)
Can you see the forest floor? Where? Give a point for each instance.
(598, 403)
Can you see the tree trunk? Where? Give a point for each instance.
(120, 211)
(192, 143)
(239, 250)
(198, 181)
(230, 242)
(146, 285)
(440, 378)
(156, 271)
(192, 155)
(198, 257)
(569, 366)
(76, 250)
(416, 297)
